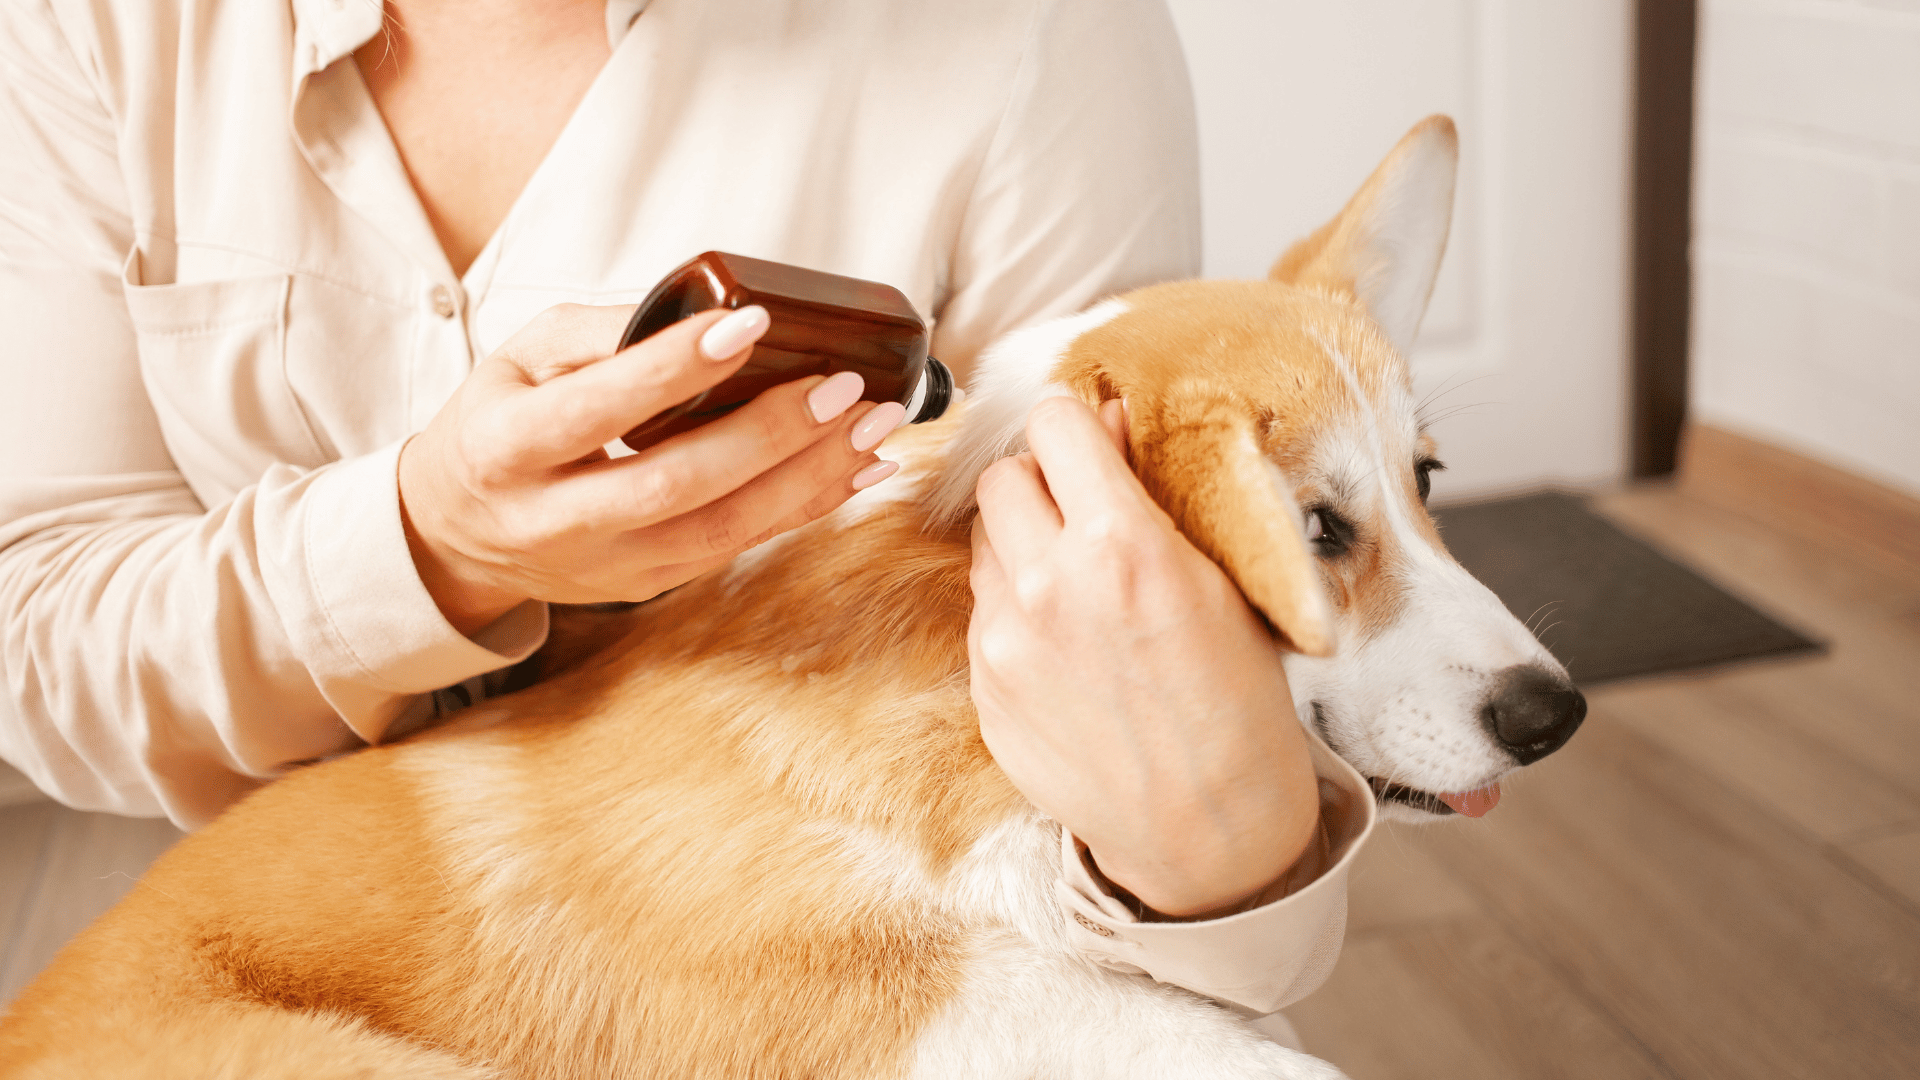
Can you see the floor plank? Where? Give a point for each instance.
(1787, 576)
(91, 861)
(24, 831)
(1460, 998)
(1730, 946)
(1893, 859)
(1733, 730)
(16, 789)
(1862, 700)
(1396, 882)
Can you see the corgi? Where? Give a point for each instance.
(758, 835)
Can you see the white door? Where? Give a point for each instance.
(1524, 347)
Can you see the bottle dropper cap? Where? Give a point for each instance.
(932, 396)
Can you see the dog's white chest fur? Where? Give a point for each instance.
(1031, 1005)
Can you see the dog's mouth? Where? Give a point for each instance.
(1473, 803)
(1406, 796)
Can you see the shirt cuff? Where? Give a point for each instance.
(1254, 962)
(371, 627)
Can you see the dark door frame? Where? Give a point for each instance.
(1662, 214)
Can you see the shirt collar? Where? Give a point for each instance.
(620, 16)
(326, 30)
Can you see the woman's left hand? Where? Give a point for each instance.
(1122, 681)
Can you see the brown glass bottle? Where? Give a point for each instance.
(820, 324)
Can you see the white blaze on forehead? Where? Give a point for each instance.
(1412, 542)
(1395, 401)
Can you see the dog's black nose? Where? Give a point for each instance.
(1532, 712)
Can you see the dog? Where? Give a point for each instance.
(758, 834)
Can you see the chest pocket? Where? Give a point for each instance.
(213, 358)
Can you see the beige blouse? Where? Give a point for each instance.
(225, 310)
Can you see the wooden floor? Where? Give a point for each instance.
(1718, 878)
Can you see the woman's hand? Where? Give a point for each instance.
(508, 496)
(1122, 681)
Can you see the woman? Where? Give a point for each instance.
(291, 444)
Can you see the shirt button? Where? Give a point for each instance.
(443, 305)
(1091, 925)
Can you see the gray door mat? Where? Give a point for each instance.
(1607, 604)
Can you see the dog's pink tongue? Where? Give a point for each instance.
(1473, 803)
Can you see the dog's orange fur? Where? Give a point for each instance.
(697, 751)
(635, 867)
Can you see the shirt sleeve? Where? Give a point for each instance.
(1090, 185)
(1257, 961)
(162, 657)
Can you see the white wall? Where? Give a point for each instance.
(1527, 331)
(1807, 243)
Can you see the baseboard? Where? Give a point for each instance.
(1800, 496)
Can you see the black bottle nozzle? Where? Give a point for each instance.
(934, 394)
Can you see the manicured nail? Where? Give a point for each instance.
(874, 473)
(724, 339)
(877, 425)
(835, 396)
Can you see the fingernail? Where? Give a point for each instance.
(877, 425)
(835, 396)
(724, 339)
(874, 473)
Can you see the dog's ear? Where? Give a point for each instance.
(1198, 457)
(1384, 247)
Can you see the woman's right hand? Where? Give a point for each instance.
(508, 495)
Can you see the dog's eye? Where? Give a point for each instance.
(1327, 533)
(1423, 476)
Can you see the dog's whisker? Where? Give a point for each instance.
(1457, 410)
(1545, 612)
(1537, 612)
(1420, 412)
(1448, 386)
